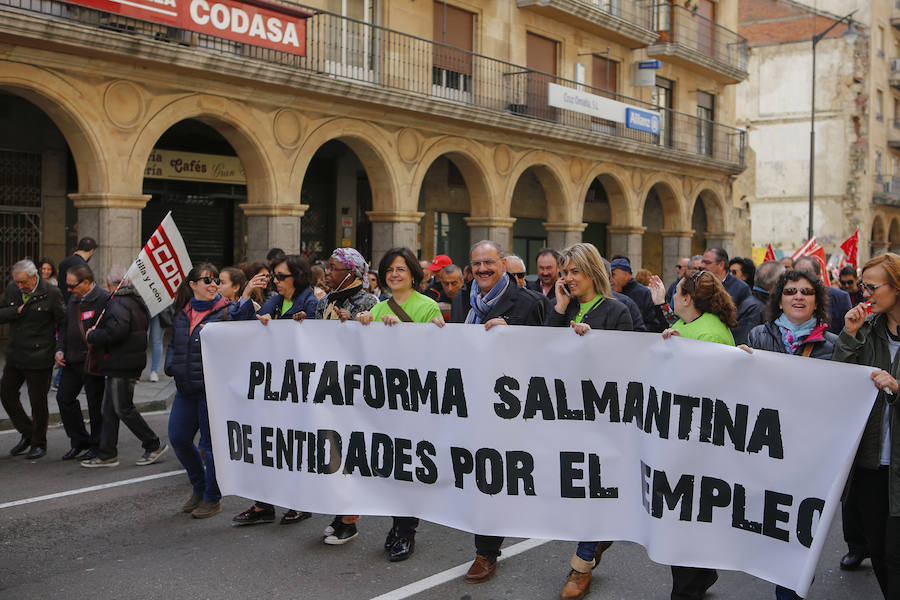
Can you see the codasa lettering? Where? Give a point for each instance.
(238, 21)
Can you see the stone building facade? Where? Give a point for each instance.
(408, 122)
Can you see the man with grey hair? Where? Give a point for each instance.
(515, 266)
(33, 308)
(684, 267)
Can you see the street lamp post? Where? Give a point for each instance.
(850, 37)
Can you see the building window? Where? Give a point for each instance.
(706, 116)
(878, 165)
(351, 45)
(664, 98)
(881, 41)
(605, 79)
(530, 93)
(879, 99)
(452, 69)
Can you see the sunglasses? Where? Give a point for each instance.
(792, 290)
(72, 287)
(517, 275)
(281, 276)
(208, 280)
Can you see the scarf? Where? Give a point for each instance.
(481, 305)
(792, 334)
(337, 299)
(204, 305)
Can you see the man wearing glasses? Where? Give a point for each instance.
(850, 284)
(86, 302)
(33, 308)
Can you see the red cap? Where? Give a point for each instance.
(440, 261)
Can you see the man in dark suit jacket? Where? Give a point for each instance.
(497, 301)
(839, 300)
(548, 272)
(624, 283)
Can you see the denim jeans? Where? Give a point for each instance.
(155, 331)
(188, 416)
(586, 550)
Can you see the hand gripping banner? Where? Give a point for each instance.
(704, 454)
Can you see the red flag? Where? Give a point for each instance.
(805, 248)
(851, 248)
(818, 252)
(770, 254)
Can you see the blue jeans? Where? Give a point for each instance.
(187, 417)
(586, 550)
(155, 331)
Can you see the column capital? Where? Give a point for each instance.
(676, 234)
(719, 235)
(108, 200)
(880, 243)
(273, 210)
(489, 221)
(576, 227)
(626, 229)
(394, 216)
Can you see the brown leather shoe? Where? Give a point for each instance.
(481, 570)
(576, 586)
(601, 548)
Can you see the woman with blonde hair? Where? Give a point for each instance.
(583, 302)
(873, 341)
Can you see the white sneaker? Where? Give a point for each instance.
(154, 377)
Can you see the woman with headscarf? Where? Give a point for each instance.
(346, 276)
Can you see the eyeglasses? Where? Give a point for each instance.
(281, 276)
(517, 275)
(792, 290)
(487, 263)
(72, 287)
(397, 270)
(208, 280)
(870, 286)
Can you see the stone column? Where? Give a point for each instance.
(628, 241)
(114, 220)
(272, 226)
(720, 239)
(879, 247)
(497, 229)
(392, 228)
(563, 235)
(676, 245)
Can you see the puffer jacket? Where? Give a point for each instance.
(305, 301)
(768, 337)
(870, 348)
(184, 361)
(32, 340)
(122, 334)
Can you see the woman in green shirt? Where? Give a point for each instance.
(400, 271)
(704, 308)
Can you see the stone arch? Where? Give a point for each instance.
(549, 169)
(714, 204)
(878, 230)
(374, 150)
(64, 104)
(672, 201)
(615, 181)
(465, 154)
(224, 116)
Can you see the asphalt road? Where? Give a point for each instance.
(131, 541)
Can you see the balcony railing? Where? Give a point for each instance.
(346, 49)
(886, 190)
(628, 19)
(684, 29)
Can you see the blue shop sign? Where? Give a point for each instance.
(642, 120)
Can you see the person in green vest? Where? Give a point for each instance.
(399, 271)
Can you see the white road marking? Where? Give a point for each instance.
(93, 488)
(458, 571)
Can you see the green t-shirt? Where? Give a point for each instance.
(585, 307)
(419, 307)
(706, 327)
(286, 304)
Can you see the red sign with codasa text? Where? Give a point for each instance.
(250, 22)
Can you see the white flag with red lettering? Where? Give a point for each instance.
(160, 266)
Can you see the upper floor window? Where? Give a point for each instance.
(451, 69)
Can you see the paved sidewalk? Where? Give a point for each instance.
(147, 396)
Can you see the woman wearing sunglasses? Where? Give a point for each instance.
(874, 489)
(197, 302)
(705, 311)
(294, 300)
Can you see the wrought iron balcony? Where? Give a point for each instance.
(627, 22)
(695, 41)
(893, 133)
(886, 190)
(894, 76)
(353, 58)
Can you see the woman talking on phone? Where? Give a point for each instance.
(584, 302)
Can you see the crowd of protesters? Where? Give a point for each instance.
(97, 334)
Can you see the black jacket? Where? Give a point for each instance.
(81, 313)
(609, 314)
(32, 339)
(73, 260)
(768, 337)
(750, 314)
(644, 300)
(737, 289)
(516, 306)
(122, 333)
(637, 320)
(535, 286)
(838, 305)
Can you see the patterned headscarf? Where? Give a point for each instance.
(353, 260)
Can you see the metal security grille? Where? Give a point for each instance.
(20, 209)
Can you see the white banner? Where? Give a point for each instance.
(704, 454)
(162, 264)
